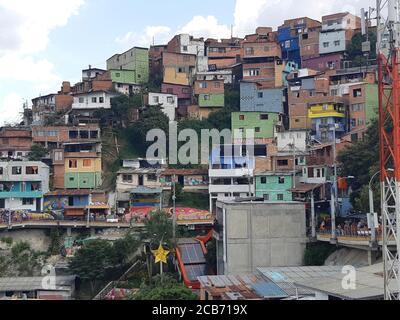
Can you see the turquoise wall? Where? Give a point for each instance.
(272, 187)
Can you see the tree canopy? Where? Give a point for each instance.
(361, 160)
(164, 288)
(159, 227)
(37, 152)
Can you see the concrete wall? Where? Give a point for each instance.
(253, 120)
(261, 235)
(168, 102)
(253, 98)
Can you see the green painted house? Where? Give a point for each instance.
(124, 76)
(274, 186)
(82, 180)
(136, 59)
(212, 100)
(263, 123)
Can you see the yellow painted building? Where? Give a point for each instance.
(82, 165)
(327, 110)
(83, 173)
(171, 75)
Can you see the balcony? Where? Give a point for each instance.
(231, 188)
(227, 173)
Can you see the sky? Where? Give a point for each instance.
(44, 42)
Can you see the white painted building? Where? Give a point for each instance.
(226, 75)
(93, 100)
(127, 89)
(23, 184)
(189, 44)
(168, 103)
(91, 73)
(286, 139)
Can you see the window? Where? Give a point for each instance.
(337, 43)
(94, 99)
(260, 95)
(287, 44)
(1, 170)
(257, 129)
(181, 70)
(185, 90)
(170, 91)
(27, 201)
(280, 197)
(156, 99)
(16, 170)
(101, 100)
(357, 93)
(203, 85)
(263, 180)
(207, 97)
(87, 163)
(266, 197)
(249, 51)
(217, 85)
(283, 163)
(73, 164)
(325, 107)
(71, 179)
(127, 178)
(281, 180)
(264, 116)
(152, 177)
(360, 122)
(334, 92)
(81, 100)
(118, 75)
(186, 58)
(253, 72)
(31, 170)
(241, 117)
(357, 107)
(326, 44)
(170, 100)
(185, 48)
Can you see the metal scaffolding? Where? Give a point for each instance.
(389, 123)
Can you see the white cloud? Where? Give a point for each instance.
(207, 27)
(250, 14)
(156, 34)
(11, 108)
(25, 26)
(199, 26)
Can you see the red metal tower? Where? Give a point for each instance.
(389, 126)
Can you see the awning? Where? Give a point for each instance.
(305, 187)
(144, 190)
(99, 207)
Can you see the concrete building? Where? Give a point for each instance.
(23, 184)
(337, 32)
(184, 94)
(191, 180)
(264, 124)
(262, 58)
(135, 59)
(231, 174)
(167, 102)
(185, 43)
(91, 73)
(93, 100)
(224, 53)
(258, 234)
(299, 138)
(291, 34)
(15, 143)
(255, 98)
(274, 186)
(210, 96)
(81, 145)
(178, 68)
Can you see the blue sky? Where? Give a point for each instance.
(44, 42)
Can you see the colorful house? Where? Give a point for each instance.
(135, 59)
(325, 117)
(23, 184)
(264, 124)
(274, 186)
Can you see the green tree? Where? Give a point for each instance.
(221, 119)
(159, 227)
(124, 248)
(355, 49)
(361, 160)
(164, 288)
(37, 152)
(91, 262)
(317, 253)
(151, 118)
(25, 260)
(55, 242)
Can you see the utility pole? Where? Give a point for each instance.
(313, 218)
(294, 162)
(174, 210)
(334, 190)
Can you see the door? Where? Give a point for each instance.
(38, 205)
(141, 181)
(181, 180)
(2, 203)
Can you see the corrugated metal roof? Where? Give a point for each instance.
(34, 283)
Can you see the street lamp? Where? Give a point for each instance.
(372, 212)
(334, 200)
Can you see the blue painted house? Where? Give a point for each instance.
(253, 98)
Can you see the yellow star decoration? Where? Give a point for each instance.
(161, 255)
